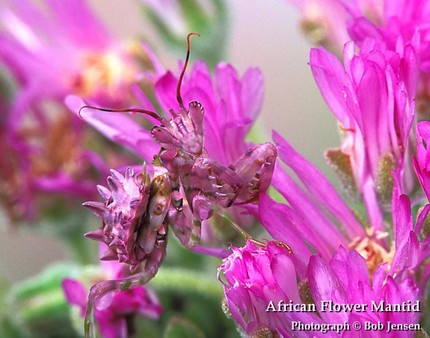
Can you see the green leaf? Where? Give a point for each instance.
(45, 282)
(187, 281)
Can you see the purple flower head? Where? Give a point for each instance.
(389, 20)
(397, 20)
(62, 49)
(52, 50)
(376, 127)
(334, 259)
(333, 23)
(395, 23)
(421, 162)
(115, 309)
(252, 277)
(264, 293)
(337, 225)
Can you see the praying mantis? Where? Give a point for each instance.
(187, 187)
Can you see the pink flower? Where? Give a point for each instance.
(421, 162)
(376, 127)
(252, 277)
(53, 51)
(333, 23)
(61, 50)
(337, 225)
(261, 289)
(333, 259)
(389, 20)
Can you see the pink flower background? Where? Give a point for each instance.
(292, 103)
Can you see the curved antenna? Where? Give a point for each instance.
(178, 88)
(128, 110)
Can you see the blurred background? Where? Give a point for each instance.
(264, 34)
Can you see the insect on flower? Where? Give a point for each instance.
(188, 187)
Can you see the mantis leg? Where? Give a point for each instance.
(101, 289)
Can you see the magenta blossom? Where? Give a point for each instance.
(332, 23)
(114, 311)
(337, 224)
(422, 161)
(394, 19)
(264, 294)
(389, 20)
(376, 127)
(334, 260)
(383, 20)
(51, 52)
(61, 50)
(350, 266)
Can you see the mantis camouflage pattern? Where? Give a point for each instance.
(187, 188)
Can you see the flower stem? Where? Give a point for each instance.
(186, 280)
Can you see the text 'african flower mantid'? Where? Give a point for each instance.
(266, 298)
(372, 96)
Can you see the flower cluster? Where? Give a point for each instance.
(358, 257)
(338, 256)
(52, 50)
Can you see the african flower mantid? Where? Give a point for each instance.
(187, 187)
(230, 104)
(52, 49)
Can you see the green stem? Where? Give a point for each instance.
(179, 279)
